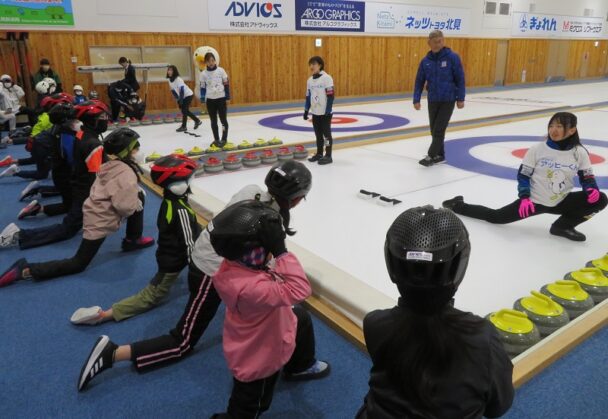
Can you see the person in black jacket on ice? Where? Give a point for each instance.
(429, 359)
(130, 77)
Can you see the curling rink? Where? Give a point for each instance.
(343, 235)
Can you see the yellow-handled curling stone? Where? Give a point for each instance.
(591, 280)
(546, 314)
(569, 295)
(601, 263)
(516, 331)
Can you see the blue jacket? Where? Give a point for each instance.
(443, 75)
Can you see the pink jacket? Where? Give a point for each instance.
(114, 196)
(260, 327)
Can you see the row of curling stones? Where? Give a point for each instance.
(252, 159)
(243, 145)
(149, 120)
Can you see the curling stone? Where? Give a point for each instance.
(591, 280)
(158, 119)
(179, 151)
(515, 330)
(213, 165)
(260, 142)
(152, 157)
(244, 145)
(570, 296)
(601, 263)
(229, 147)
(196, 151)
(178, 117)
(275, 141)
(251, 159)
(268, 157)
(284, 154)
(134, 122)
(112, 126)
(146, 120)
(213, 148)
(200, 168)
(546, 314)
(300, 152)
(169, 118)
(123, 123)
(232, 162)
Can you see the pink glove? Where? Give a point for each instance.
(526, 208)
(593, 195)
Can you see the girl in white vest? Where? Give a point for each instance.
(183, 94)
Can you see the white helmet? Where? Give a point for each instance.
(6, 78)
(78, 87)
(44, 88)
(50, 81)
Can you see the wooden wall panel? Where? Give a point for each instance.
(595, 57)
(530, 55)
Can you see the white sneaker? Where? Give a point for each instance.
(12, 169)
(25, 192)
(87, 315)
(9, 236)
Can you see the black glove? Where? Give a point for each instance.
(306, 115)
(272, 236)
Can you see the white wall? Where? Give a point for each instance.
(191, 15)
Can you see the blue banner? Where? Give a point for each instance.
(330, 15)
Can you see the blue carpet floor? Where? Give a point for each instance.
(41, 352)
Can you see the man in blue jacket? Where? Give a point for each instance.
(442, 72)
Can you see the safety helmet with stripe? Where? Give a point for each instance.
(174, 169)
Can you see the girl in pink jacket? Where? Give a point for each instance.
(263, 331)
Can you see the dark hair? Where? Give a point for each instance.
(45, 61)
(568, 120)
(208, 56)
(318, 60)
(175, 72)
(425, 347)
(123, 60)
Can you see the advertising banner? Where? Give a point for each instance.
(36, 12)
(556, 26)
(330, 15)
(264, 16)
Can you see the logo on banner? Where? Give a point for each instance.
(256, 9)
(330, 15)
(384, 20)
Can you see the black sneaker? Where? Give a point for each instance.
(438, 159)
(315, 158)
(181, 129)
(426, 161)
(568, 233)
(325, 160)
(453, 203)
(197, 124)
(101, 358)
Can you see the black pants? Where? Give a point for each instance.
(322, 127)
(32, 116)
(439, 118)
(116, 107)
(198, 313)
(573, 210)
(42, 162)
(217, 107)
(249, 400)
(185, 108)
(85, 254)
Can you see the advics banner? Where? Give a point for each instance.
(406, 19)
(549, 26)
(330, 15)
(266, 16)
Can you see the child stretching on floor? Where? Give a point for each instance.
(263, 331)
(177, 232)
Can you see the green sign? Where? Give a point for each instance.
(36, 12)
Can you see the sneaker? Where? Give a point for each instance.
(325, 160)
(318, 370)
(7, 161)
(101, 358)
(141, 243)
(315, 158)
(14, 273)
(197, 124)
(87, 315)
(181, 129)
(32, 209)
(30, 190)
(453, 203)
(438, 159)
(568, 233)
(426, 161)
(9, 236)
(12, 169)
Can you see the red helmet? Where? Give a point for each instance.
(91, 109)
(49, 101)
(172, 168)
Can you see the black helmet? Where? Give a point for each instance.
(172, 168)
(426, 253)
(61, 113)
(121, 142)
(289, 180)
(239, 228)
